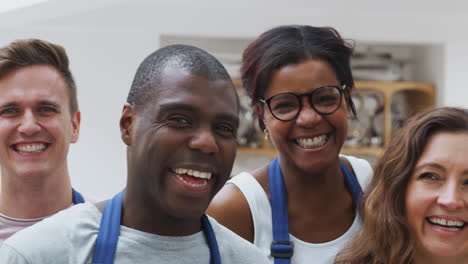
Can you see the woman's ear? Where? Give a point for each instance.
(260, 112)
(127, 120)
(349, 104)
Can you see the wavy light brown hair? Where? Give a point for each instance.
(385, 237)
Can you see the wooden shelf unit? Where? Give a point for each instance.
(420, 96)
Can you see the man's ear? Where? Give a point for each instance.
(76, 119)
(127, 120)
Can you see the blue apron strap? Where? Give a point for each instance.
(281, 248)
(352, 184)
(215, 256)
(109, 230)
(77, 197)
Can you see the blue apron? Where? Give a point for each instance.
(282, 249)
(108, 235)
(77, 197)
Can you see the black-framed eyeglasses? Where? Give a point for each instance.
(287, 106)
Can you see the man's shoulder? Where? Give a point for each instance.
(58, 233)
(234, 248)
(67, 219)
(73, 215)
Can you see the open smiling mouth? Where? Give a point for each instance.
(191, 177)
(30, 148)
(449, 225)
(314, 142)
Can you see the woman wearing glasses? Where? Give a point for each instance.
(300, 208)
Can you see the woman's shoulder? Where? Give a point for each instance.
(231, 244)
(362, 169)
(232, 204)
(231, 209)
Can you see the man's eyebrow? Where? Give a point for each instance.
(49, 103)
(229, 117)
(9, 104)
(185, 107)
(177, 106)
(42, 102)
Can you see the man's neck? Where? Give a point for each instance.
(139, 214)
(34, 197)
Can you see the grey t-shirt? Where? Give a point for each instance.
(70, 237)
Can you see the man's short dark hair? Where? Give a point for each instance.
(181, 57)
(29, 52)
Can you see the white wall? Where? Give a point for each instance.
(106, 44)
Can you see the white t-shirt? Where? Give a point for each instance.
(70, 237)
(304, 252)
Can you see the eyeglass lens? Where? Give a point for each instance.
(324, 100)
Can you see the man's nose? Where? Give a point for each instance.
(204, 140)
(28, 124)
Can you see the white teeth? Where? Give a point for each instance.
(447, 223)
(194, 173)
(30, 148)
(450, 228)
(312, 142)
(191, 183)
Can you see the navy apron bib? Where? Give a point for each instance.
(282, 249)
(108, 235)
